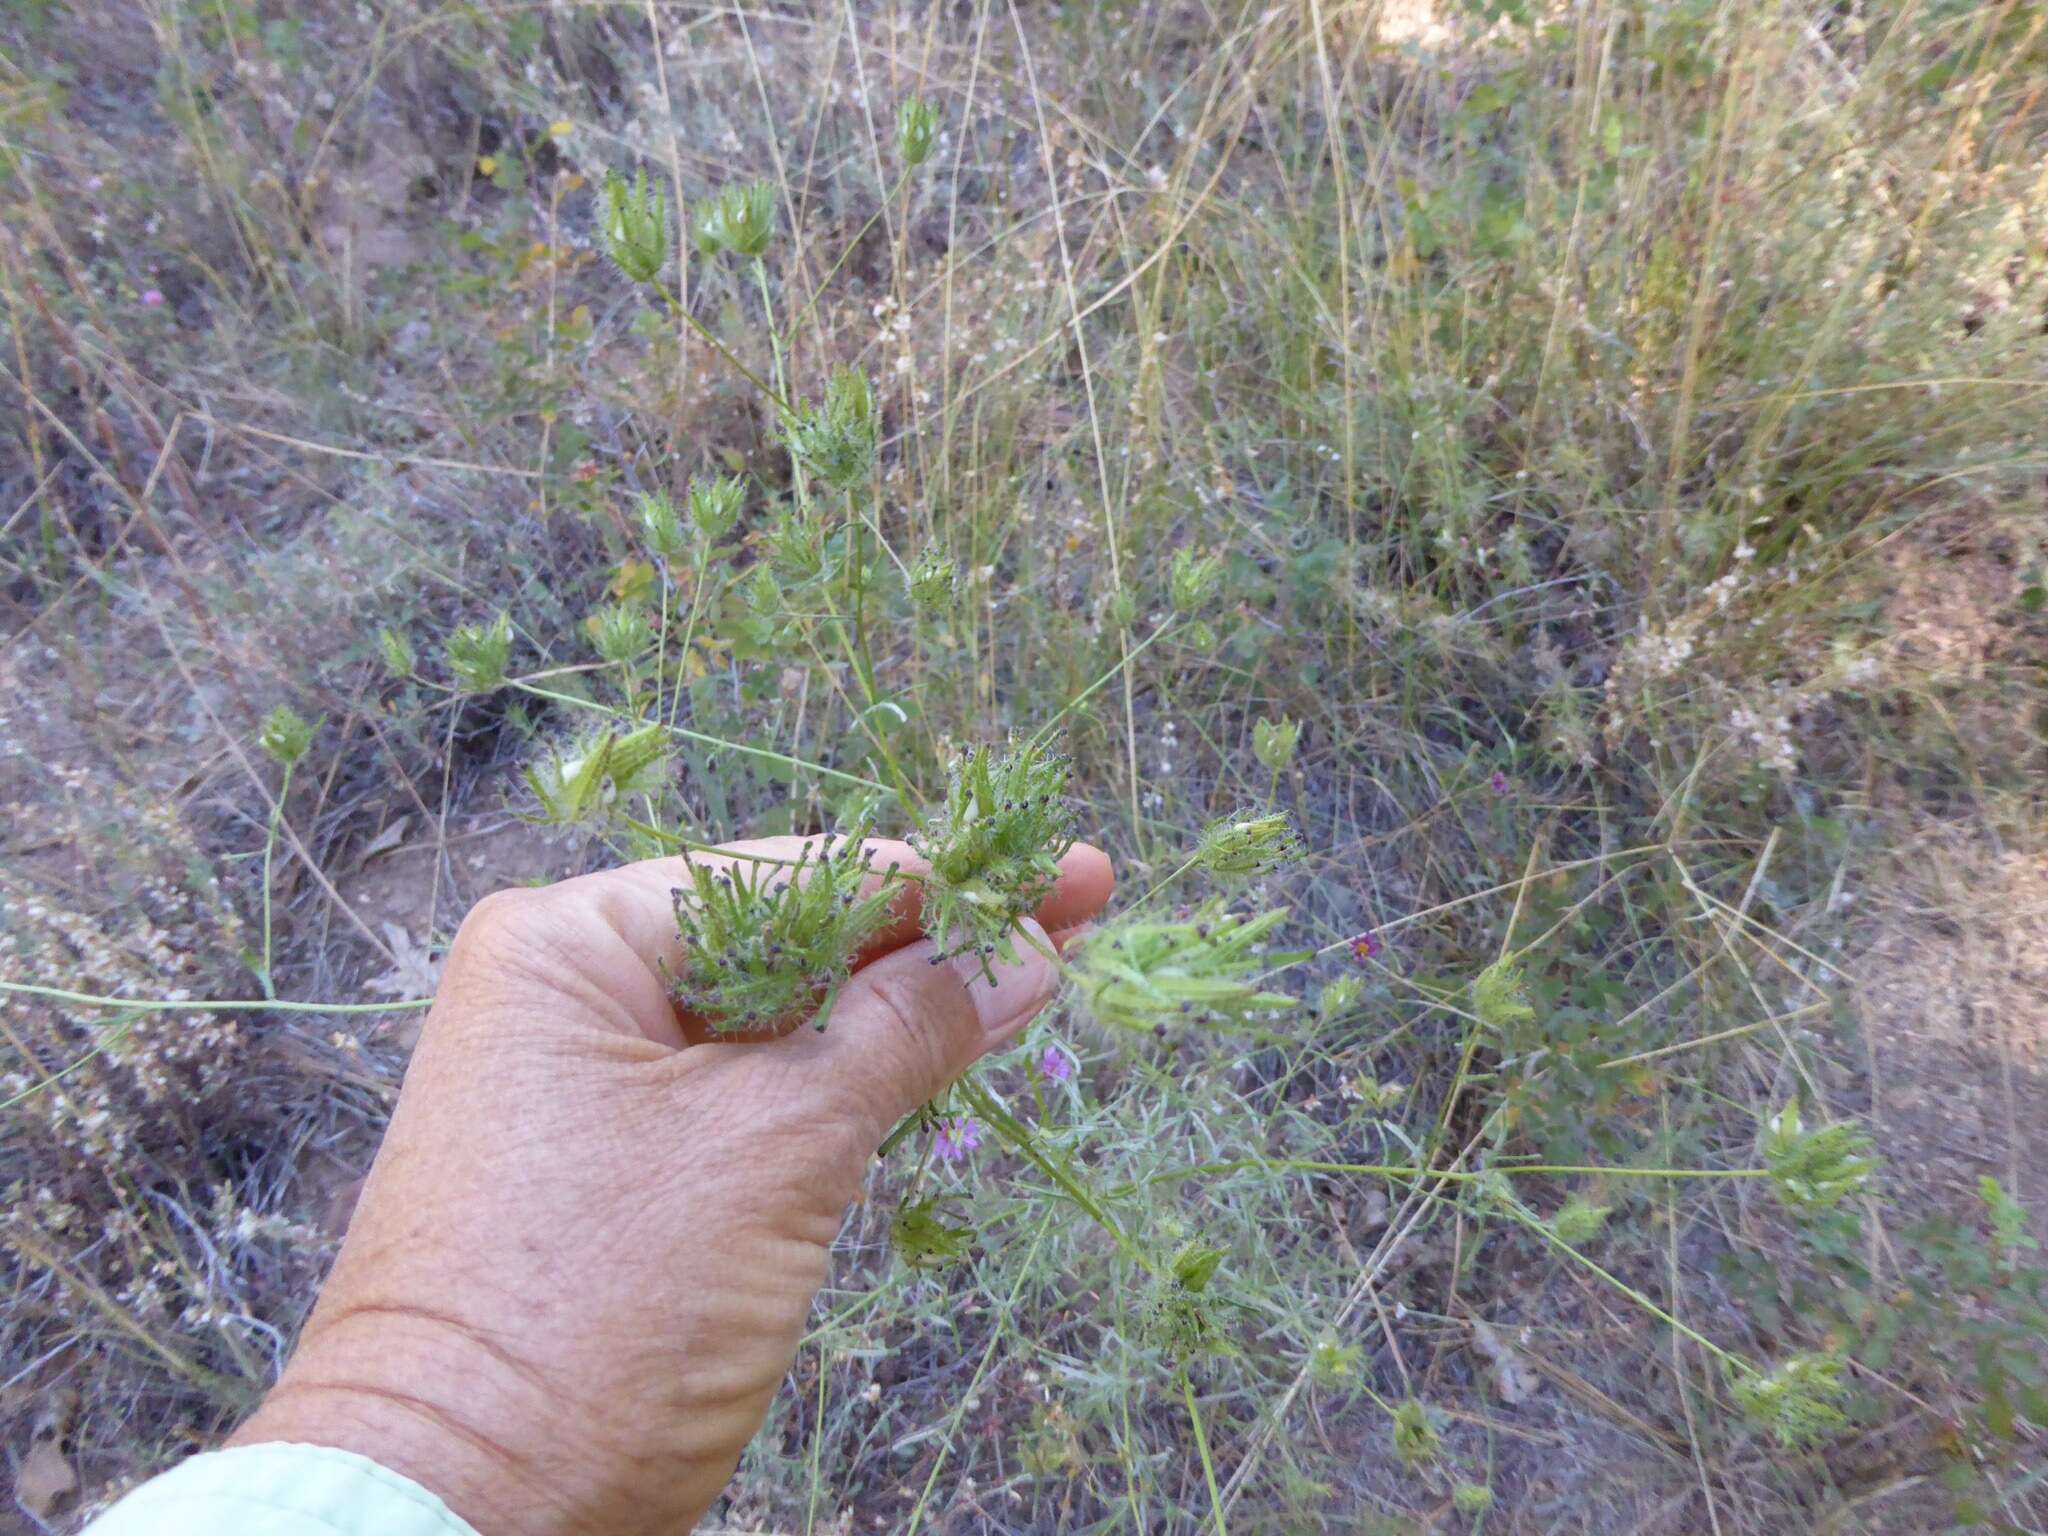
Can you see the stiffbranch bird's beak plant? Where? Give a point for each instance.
(767, 943)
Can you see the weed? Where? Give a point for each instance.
(1520, 523)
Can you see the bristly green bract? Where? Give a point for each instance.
(994, 847)
(764, 943)
(1203, 969)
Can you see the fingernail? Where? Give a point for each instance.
(1022, 986)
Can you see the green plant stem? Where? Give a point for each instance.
(1727, 1357)
(284, 788)
(1415, 1171)
(699, 578)
(1020, 1139)
(852, 245)
(207, 1005)
(1162, 884)
(1187, 1391)
(704, 334)
(774, 334)
(713, 741)
(113, 1038)
(1044, 733)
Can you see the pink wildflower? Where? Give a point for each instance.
(152, 298)
(1499, 782)
(957, 1137)
(1366, 946)
(1053, 1064)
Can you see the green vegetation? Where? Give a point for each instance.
(1518, 528)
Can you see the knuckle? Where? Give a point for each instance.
(500, 920)
(917, 1020)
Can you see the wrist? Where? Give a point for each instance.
(419, 1397)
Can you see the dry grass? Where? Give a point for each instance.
(1637, 403)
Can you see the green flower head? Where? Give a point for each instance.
(740, 219)
(285, 736)
(661, 526)
(917, 126)
(715, 505)
(1205, 969)
(835, 439)
(932, 579)
(633, 222)
(994, 847)
(1248, 843)
(765, 943)
(477, 654)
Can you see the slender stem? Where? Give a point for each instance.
(284, 788)
(112, 1038)
(1163, 884)
(1044, 732)
(714, 741)
(721, 349)
(851, 245)
(1413, 1171)
(699, 578)
(207, 1004)
(1187, 1391)
(1727, 1357)
(1019, 1137)
(774, 336)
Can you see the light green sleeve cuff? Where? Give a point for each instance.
(280, 1490)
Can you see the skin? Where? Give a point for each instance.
(588, 1245)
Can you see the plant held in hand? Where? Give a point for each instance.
(763, 943)
(995, 848)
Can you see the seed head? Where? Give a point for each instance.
(922, 1238)
(1500, 997)
(1193, 579)
(1416, 1441)
(932, 579)
(1796, 1401)
(761, 942)
(285, 736)
(994, 847)
(1274, 741)
(1248, 843)
(399, 655)
(715, 505)
(620, 632)
(835, 439)
(740, 219)
(477, 654)
(1578, 1221)
(661, 526)
(633, 220)
(1815, 1169)
(917, 125)
(595, 772)
(1137, 974)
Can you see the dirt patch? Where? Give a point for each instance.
(1953, 998)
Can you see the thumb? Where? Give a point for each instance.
(904, 1027)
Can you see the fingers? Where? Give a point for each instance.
(903, 1028)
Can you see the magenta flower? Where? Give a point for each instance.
(152, 298)
(1053, 1064)
(957, 1137)
(1499, 782)
(1366, 946)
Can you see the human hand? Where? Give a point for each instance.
(586, 1250)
